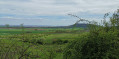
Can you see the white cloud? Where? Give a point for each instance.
(56, 7)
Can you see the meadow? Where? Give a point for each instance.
(36, 43)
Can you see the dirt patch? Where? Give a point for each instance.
(37, 29)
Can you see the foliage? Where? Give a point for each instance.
(102, 42)
(7, 25)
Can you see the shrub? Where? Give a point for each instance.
(57, 41)
(33, 41)
(52, 54)
(65, 41)
(102, 42)
(40, 41)
(98, 46)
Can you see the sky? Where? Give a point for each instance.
(53, 12)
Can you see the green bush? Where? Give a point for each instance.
(94, 46)
(40, 41)
(57, 41)
(102, 42)
(65, 41)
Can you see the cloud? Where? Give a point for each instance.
(34, 8)
(57, 7)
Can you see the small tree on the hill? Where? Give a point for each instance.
(22, 27)
(7, 26)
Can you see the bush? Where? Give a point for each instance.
(40, 41)
(52, 54)
(33, 41)
(36, 41)
(96, 46)
(65, 41)
(102, 42)
(57, 41)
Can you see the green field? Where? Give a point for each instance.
(42, 43)
(37, 30)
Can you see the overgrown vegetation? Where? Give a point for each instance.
(45, 44)
(102, 41)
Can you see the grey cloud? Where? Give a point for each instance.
(57, 7)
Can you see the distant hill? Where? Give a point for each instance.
(43, 26)
(29, 26)
(82, 25)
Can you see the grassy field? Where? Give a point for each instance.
(36, 43)
(37, 30)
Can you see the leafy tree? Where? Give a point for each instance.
(7, 26)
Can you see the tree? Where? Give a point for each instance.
(22, 27)
(23, 33)
(7, 26)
